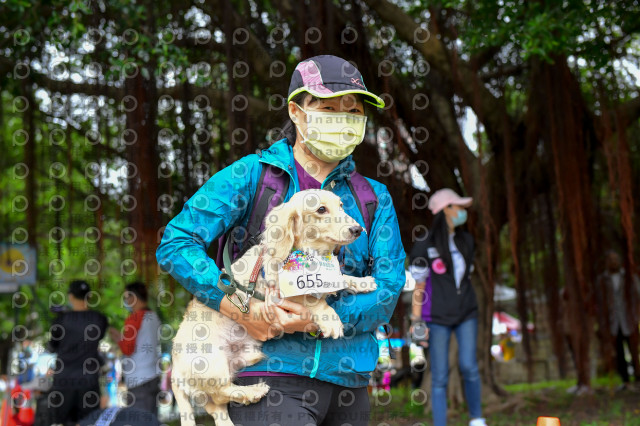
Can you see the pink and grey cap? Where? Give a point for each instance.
(328, 76)
(443, 197)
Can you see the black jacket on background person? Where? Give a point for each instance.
(444, 304)
(75, 336)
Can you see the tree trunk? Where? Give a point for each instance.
(564, 125)
(143, 180)
(515, 240)
(30, 161)
(551, 283)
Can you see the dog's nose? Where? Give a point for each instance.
(356, 230)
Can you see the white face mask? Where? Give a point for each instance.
(332, 136)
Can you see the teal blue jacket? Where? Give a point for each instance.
(224, 201)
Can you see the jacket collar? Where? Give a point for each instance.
(280, 155)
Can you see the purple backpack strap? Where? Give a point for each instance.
(271, 189)
(367, 201)
(366, 198)
(221, 242)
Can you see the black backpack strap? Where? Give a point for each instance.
(371, 207)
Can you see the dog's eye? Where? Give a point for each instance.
(321, 210)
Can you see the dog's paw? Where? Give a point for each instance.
(256, 392)
(362, 285)
(242, 394)
(333, 329)
(368, 285)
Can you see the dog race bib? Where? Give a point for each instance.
(310, 274)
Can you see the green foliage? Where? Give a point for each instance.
(545, 29)
(67, 236)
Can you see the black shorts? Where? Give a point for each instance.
(302, 401)
(145, 396)
(67, 405)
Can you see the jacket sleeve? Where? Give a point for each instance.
(213, 210)
(367, 311)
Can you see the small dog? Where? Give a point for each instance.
(313, 221)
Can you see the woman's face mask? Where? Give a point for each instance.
(332, 136)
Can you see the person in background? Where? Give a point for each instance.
(444, 301)
(618, 314)
(139, 345)
(75, 337)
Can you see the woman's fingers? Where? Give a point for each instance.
(269, 315)
(277, 316)
(272, 297)
(293, 322)
(268, 307)
(290, 306)
(258, 322)
(297, 309)
(264, 313)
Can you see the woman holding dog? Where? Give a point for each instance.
(313, 380)
(444, 298)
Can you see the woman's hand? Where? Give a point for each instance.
(265, 321)
(288, 315)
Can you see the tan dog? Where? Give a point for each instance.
(312, 221)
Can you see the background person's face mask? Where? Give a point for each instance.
(460, 219)
(332, 136)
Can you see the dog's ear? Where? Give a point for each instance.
(283, 230)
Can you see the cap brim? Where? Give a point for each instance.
(463, 202)
(370, 98)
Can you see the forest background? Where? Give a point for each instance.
(113, 113)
